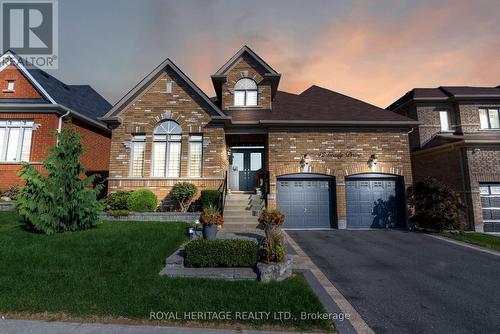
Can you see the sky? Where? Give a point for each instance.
(371, 50)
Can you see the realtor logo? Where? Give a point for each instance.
(29, 28)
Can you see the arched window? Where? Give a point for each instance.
(167, 149)
(245, 93)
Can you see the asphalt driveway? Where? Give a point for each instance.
(407, 282)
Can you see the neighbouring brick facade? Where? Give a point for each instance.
(186, 108)
(96, 139)
(461, 158)
(23, 89)
(287, 146)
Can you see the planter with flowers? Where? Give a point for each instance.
(274, 264)
(211, 220)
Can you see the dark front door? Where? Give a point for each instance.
(244, 166)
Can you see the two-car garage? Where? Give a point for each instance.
(309, 201)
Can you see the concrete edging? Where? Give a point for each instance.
(155, 216)
(6, 206)
(465, 244)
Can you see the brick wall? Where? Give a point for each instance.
(287, 146)
(185, 107)
(95, 141)
(22, 87)
(43, 136)
(255, 72)
(469, 115)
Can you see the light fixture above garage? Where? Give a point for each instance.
(304, 163)
(372, 163)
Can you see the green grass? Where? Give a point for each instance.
(112, 271)
(479, 239)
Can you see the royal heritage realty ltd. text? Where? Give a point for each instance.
(230, 315)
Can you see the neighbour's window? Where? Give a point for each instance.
(444, 120)
(10, 85)
(15, 140)
(245, 93)
(195, 155)
(169, 87)
(137, 159)
(167, 150)
(489, 118)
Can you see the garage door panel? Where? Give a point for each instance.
(362, 202)
(490, 202)
(306, 203)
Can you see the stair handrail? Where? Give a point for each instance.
(223, 194)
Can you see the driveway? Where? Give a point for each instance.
(407, 282)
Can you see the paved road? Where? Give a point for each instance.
(405, 282)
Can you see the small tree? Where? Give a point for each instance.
(435, 206)
(60, 198)
(183, 193)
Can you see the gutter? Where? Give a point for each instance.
(43, 108)
(59, 125)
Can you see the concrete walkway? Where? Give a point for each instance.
(44, 327)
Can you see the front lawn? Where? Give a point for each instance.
(112, 272)
(479, 239)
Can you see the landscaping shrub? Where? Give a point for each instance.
(211, 215)
(142, 200)
(209, 197)
(221, 253)
(118, 213)
(61, 198)
(117, 200)
(12, 192)
(435, 206)
(183, 193)
(272, 248)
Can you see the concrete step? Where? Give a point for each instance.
(239, 216)
(241, 220)
(231, 211)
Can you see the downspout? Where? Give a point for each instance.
(59, 125)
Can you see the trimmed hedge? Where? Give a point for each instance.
(142, 200)
(221, 253)
(117, 201)
(209, 197)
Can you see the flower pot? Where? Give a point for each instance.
(210, 232)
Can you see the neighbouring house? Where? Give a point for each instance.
(333, 161)
(34, 106)
(458, 143)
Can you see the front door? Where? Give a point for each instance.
(244, 165)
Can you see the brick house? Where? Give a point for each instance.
(458, 143)
(34, 106)
(333, 161)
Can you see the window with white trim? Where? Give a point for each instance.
(168, 87)
(195, 155)
(15, 140)
(245, 93)
(489, 118)
(167, 138)
(444, 119)
(137, 156)
(10, 85)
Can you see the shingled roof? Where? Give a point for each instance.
(317, 105)
(445, 93)
(83, 100)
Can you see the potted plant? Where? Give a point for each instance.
(211, 219)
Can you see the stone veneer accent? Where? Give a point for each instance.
(185, 107)
(287, 146)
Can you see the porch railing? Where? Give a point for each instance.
(266, 189)
(222, 194)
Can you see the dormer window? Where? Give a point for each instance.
(245, 93)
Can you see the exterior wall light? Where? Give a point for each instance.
(304, 163)
(372, 163)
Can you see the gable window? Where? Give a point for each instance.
(195, 155)
(168, 88)
(167, 150)
(489, 118)
(245, 93)
(15, 140)
(444, 118)
(137, 158)
(10, 86)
